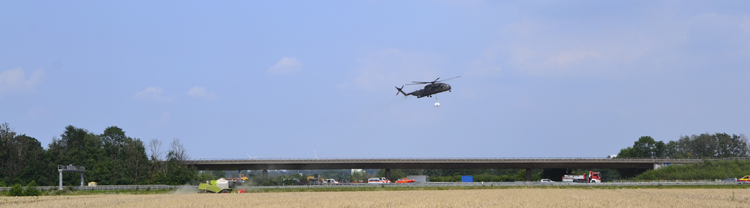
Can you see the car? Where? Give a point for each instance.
(378, 180)
(730, 180)
(547, 181)
(405, 180)
(745, 179)
(330, 181)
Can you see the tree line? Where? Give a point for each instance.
(707, 146)
(113, 158)
(110, 158)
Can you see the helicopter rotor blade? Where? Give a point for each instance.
(449, 79)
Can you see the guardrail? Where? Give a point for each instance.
(517, 184)
(104, 187)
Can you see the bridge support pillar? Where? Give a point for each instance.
(265, 174)
(528, 174)
(388, 174)
(60, 187)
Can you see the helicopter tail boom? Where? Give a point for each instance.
(401, 91)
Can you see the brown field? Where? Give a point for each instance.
(526, 197)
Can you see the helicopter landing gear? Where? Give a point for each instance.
(437, 104)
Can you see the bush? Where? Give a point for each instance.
(264, 182)
(700, 171)
(31, 189)
(16, 190)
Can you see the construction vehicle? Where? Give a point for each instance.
(241, 179)
(591, 177)
(315, 179)
(217, 186)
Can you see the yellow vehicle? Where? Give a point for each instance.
(240, 179)
(217, 186)
(745, 179)
(315, 179)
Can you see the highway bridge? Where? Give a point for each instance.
(437, 163)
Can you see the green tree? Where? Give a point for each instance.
(555, 174)
(395, 174)
(718, 145)
(16, 190)
(360, 176)
(335, 174)
(22, 155)
(645, 147)
(31, 189)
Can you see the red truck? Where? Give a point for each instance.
(591, 177)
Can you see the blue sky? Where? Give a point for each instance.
(284, 79)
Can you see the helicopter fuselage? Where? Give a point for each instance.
(430, 90)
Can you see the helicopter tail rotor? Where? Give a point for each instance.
(400, 91)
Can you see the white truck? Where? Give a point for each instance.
(591, 177)
(378, 180)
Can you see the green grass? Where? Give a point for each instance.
(412, 188)
(92, 192)
(386, 188)
(709, 170)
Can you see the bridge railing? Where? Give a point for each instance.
(655, 160)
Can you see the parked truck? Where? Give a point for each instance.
(591, 177)
(217, 186)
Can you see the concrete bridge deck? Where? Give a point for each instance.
(438, 163)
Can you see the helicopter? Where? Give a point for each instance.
(433, 87)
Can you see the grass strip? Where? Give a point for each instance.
(380, 188)
(93, 192)
(421, 188)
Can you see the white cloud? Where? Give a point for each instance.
(155, 94)
(746, 25)
(162, 121)
(663, 40)
(285, 66)
(592, 48)
(391, 67)
(14, 80)
(485, 66)
(201, 93)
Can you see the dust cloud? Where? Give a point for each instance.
(186, 189)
